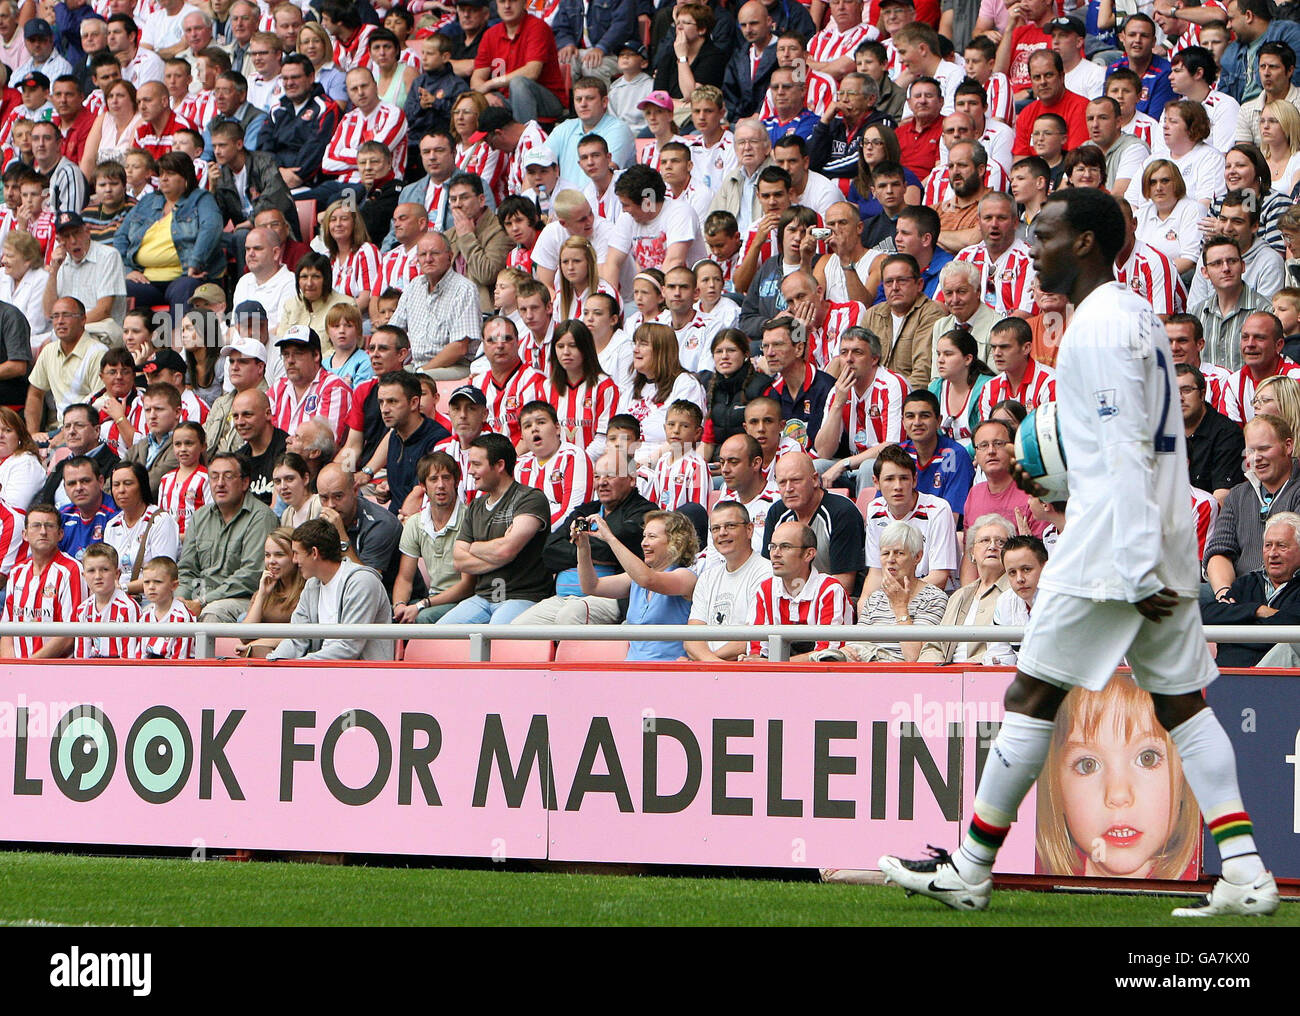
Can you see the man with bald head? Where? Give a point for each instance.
(250, 415)
(368, 533)
(440, 311)
(749, 70)
(833, 518)
(267, 280)
(738, 193)
(157, 133)
(798, 592)
(399, 266)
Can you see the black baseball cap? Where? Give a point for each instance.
(1067, 25)
(475, 395)
(165, 359)
(33, 79)
(67, 221)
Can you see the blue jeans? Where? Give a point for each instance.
(481, 610)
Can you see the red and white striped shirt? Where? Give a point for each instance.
(37, 595)
(159, 142)
(1006, 284)
(162, 647)
(521, 259)
(12, 545)
(95, 101)
(42, 227)
(397, 268)
(198, 108)
(824, 342)
(328, 396)
(181, 498)
(876, 415)
(1037, 386)
(680, 481)
(938, 188)
(193, 408)
(1205, 508)
(1192, 35)
(358, 272)
(574, 312)
(832, 44)
(121, 609)
(532, 137)
(385, 123)
(1217, 380)
(567, 479)
(484, 161)
(534, 351)
(1239, 392)
(1150, 274)
(356, 53)
(111, 434)
(818, 94)
(649, 155)
(504, 401)
(1142, 127)
(1002, 102)
(584, 412)
(821, 600)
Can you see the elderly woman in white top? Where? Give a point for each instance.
(22, 283)
(902, 598)
(973, 604)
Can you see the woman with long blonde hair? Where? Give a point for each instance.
(577, 274)
(1279, 140)
(278, 591)
(354, 260)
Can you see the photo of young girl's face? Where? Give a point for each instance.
(1117, 797)
(1113, 801)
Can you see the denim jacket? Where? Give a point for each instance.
(196, 231)
(610, 23)
(1233, 70)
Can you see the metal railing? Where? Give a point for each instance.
(480, 637)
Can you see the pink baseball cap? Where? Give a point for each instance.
(659, 98)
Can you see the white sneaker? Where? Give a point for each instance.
(1258, 898)
(937, 877)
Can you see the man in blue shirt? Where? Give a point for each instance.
(943, 467)
(1138, 38)
(84, 519)
(1253, 24)
(591, 103)
(790, 114)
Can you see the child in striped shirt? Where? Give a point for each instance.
(184, 490)
(681, 476)
(161, 578)
(107, 604)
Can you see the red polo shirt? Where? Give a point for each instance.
(535, 41)
(161, 142)
(75, 133)
(1071, 107)
(919, 150)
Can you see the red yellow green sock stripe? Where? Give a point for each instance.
(986, 834)
(1229, 825)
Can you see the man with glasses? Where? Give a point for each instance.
(1215, 445)
(738, 193)
(789, 114)
(997, 493)
(838, 136)
(797, 593)
(440, 311)
(729, 585)
(1224, 313)
(907, 316)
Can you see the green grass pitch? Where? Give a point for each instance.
(68, 889)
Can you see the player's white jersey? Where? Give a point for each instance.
(1129, 530)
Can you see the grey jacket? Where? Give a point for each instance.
(1239, 532)
(363, 601)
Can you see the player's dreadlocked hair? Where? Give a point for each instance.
(1088, 210)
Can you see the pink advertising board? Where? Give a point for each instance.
(762, 766)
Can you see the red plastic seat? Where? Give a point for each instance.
(517, 651)
(225, 647)
(641, 145)
(306, 219)
(437, 650)
(582, 651)
(865, 497)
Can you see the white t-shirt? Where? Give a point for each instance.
(1202, 170)
(1176, 236)
(161, 29)
(932, 518)
(647, 244)
(651, 414)
(726, 597)
(546, 251)
(1087, 79)
(1114, 393)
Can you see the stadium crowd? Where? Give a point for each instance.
(577, 312)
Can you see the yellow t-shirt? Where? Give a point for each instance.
(157, 256)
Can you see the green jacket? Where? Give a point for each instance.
(223, 561)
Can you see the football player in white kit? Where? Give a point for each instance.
(1123, 579)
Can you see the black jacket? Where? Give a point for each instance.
(105, 457)
(725, 411)
(626, 521)
(377, 207)
(266, 189)
(1214, 452)
(1248, 592)
(742, 92)
(300, 138)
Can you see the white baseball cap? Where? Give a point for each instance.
(245, 347)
